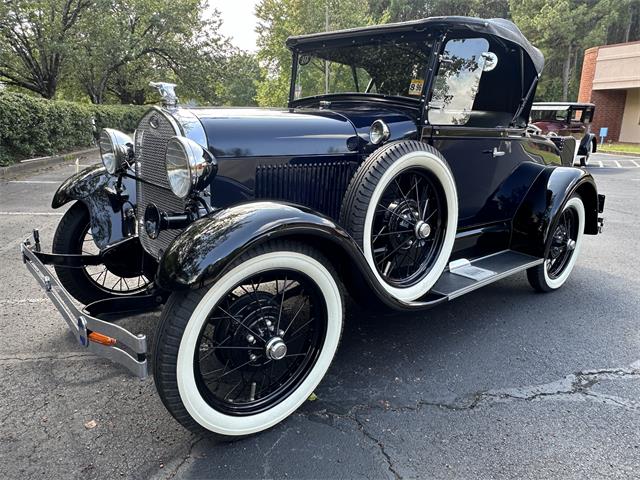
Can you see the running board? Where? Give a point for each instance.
(464, 276)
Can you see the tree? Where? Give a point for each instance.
(240, 79)
(279, 19)
(163, 36)
(36, 36)
(563, 29)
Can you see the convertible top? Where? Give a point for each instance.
(498, 27)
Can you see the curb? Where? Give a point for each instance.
(42, 163)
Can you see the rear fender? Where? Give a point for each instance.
(108, 205)
(204, 251)
(538, 213)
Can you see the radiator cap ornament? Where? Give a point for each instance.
(167, 92)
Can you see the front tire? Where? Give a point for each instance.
(96, 282)
(271, 325)
(563, 248)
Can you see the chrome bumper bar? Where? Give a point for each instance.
(108, 340)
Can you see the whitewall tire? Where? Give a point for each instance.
(368, 197)
(567, 243)
(186, 316)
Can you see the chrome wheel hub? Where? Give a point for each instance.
(423, 230)
(276, 349)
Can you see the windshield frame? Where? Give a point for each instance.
(434, 37)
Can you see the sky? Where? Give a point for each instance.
(238, 21)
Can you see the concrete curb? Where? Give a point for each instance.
(42, 163)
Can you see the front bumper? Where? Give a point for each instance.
(99, 337)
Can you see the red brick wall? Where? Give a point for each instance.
(609, 103)
(588, 72)
(609, 112)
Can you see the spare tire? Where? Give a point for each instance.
(401, 207)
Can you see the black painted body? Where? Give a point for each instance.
(284, 172)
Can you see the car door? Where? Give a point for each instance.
(478, 145)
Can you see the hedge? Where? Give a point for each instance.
(31, 127)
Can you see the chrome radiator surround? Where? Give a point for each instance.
(153, 132)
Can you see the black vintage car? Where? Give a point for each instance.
(401, 174)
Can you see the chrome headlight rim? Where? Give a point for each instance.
(116, 149)
(190, 167)
(379, 132)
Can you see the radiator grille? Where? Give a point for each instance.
(319, 185)
(150, 167)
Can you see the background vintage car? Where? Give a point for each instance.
(401, 173)
(567, 119)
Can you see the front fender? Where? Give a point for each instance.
(204, 250)
(538, 212)
(108, 205)
(586, 142)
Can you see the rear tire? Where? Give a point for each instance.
(563, 249)
(224, 328)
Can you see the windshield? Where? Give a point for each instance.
(389, 68)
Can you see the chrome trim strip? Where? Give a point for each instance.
(78, 321)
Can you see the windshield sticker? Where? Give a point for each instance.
(304, 59)
(415, 88)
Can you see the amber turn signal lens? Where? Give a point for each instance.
(103, 339)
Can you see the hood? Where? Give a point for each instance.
(255, 132)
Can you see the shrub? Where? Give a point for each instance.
(31, 126)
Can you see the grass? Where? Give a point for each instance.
(632, 148)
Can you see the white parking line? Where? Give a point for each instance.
(617, 163)
(635, 163)
(35, 181)
(46, 214)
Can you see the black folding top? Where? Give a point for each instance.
(498, 27)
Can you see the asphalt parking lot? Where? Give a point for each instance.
(500, 383)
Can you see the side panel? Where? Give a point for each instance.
(108, 208)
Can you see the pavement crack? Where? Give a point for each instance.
(183, 462)
(363, 429)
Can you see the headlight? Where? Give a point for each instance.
(189, 166)
(379, 132)
(115, 148)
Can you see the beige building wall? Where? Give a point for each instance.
(618, 67)
(630, 129)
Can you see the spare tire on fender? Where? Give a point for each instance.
(401, 207)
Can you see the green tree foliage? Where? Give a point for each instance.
(239, 81)
(279, 19)
(36, 38)
(137, 40)
(562, 29)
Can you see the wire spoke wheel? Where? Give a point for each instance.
(407, 229)
(259, 342)
(563, 243)
(104, 278)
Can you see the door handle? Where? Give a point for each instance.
(495, 152)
